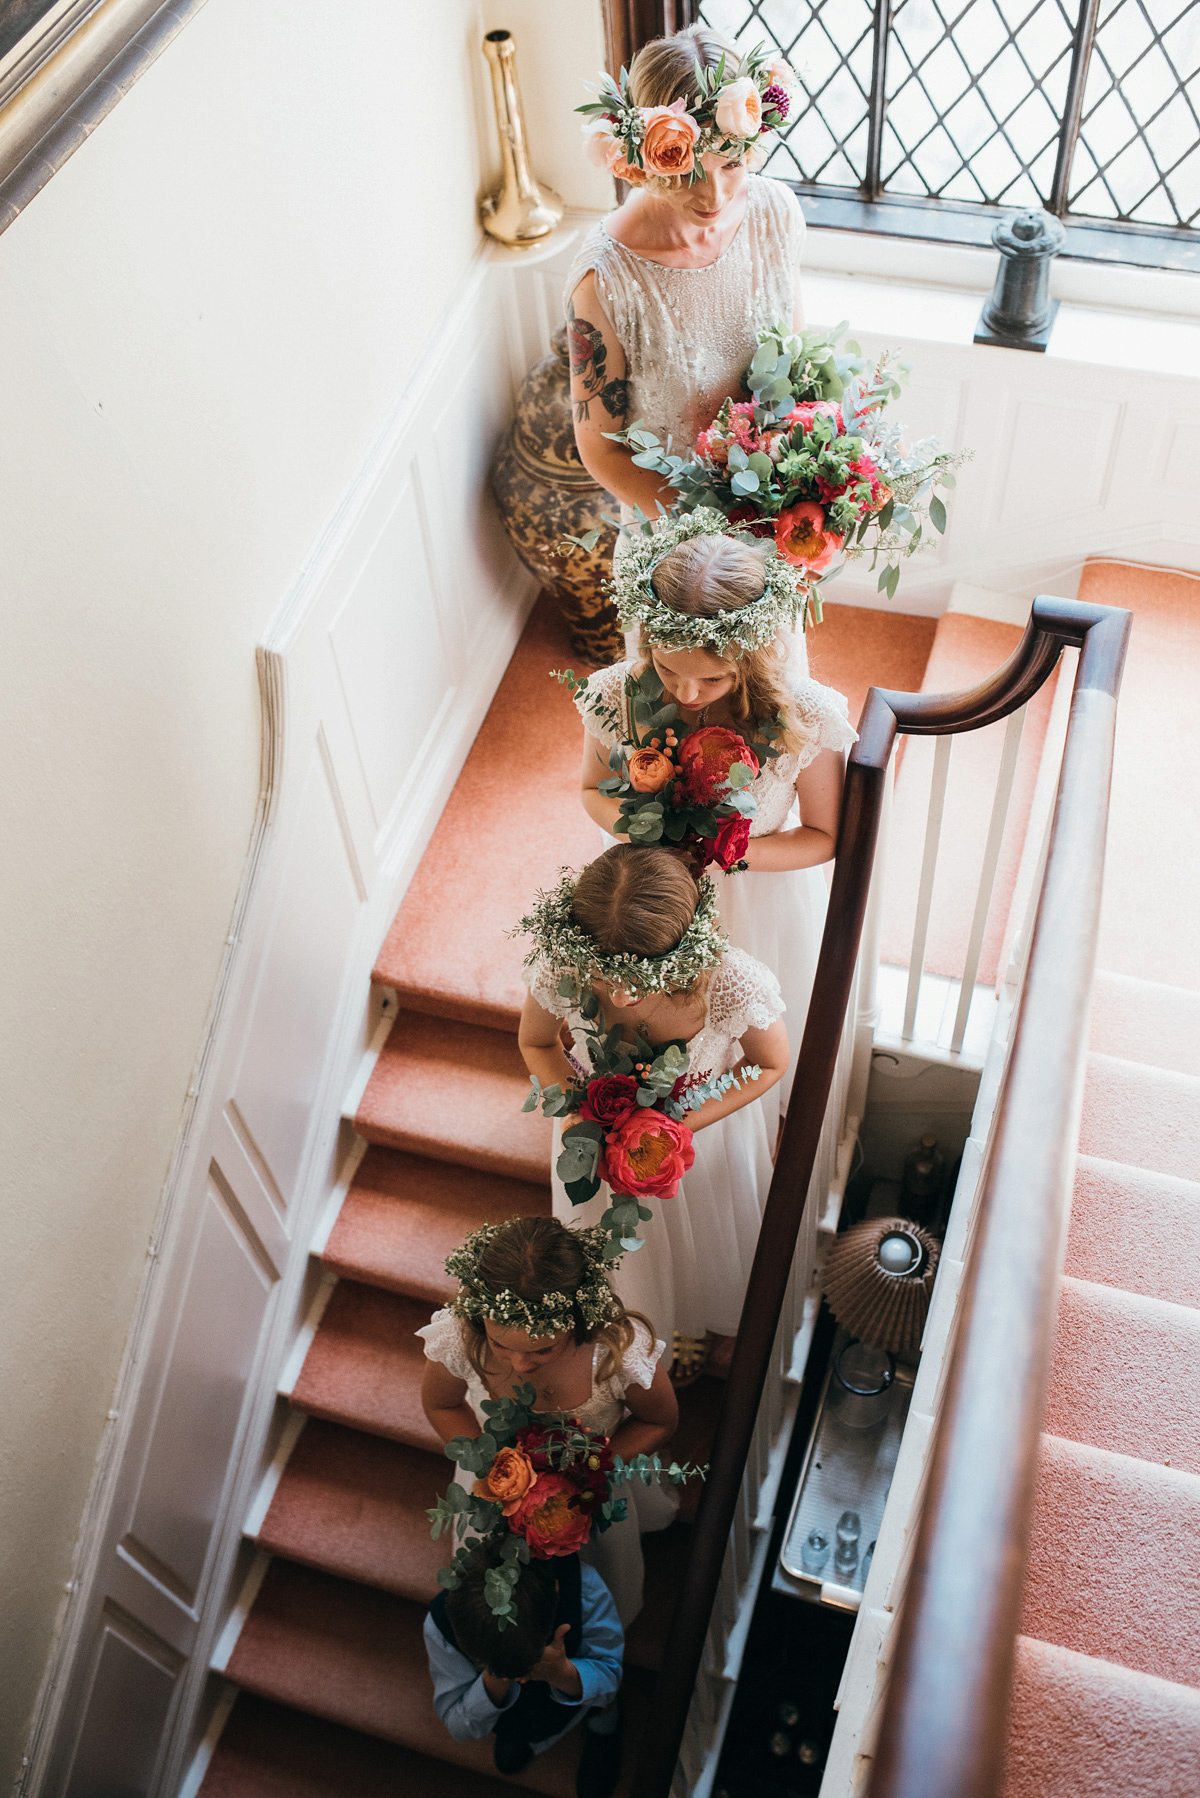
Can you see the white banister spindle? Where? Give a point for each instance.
(933, 833)
(987, 874)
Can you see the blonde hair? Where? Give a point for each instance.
(638, 901)
(705, 577)
(665, 70)
(531, 1257)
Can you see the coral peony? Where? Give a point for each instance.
(609, 1099)
(802, 539)
(731, 842)
(647, 1155)
(810, 409)
(507, 1480)
(551, 1519)
(668, 139)
(705, 758)
(650, 770)
(738, 111)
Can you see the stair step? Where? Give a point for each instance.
(364, 1366)
(1124, 1375)
(404, 1214)
(1143, 1020)
(1136, 1230)
(1083, 1728)
(271, 1751)
(1114, 1565)
(1152, 870)
(457, 961)
(1148, 1117)
(454, 1092)
(355, 1505)
(355, 1656)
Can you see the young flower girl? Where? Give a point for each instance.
(637, 930)
(535, 1308)
(715, 615)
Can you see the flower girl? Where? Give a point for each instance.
(639, 932)
(534, 1307)
(715, 615)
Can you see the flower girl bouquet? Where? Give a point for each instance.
(686, 789)
(628, 1111)
(542, 1489)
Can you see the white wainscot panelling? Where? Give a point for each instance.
(1180, 466)
(299, 977)
(128, 1701)
(1059, 458)
(389, 626)
(211, 1353)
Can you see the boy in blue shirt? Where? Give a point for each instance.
(558, 1662)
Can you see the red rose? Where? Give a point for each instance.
(551, 1519)
(609, 1099)
(705, 758)
(731, 840)
(646, 1155)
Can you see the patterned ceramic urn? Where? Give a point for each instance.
(544, 492)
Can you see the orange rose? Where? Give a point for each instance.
(650, 770)
(668, 139)
(507, 1480)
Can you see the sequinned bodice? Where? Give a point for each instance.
(689, 333)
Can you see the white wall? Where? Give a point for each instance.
(560, 51)
(207, 315)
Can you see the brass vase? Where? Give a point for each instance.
(519, 212)
(544, 492)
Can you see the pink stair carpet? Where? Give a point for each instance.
(334, 1693)
(1106, 1698)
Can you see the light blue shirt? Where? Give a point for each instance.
(460, 1697)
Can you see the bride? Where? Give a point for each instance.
(666, 294)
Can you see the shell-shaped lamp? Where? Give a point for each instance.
(878, 1278)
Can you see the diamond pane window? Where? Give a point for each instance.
(1135, 160)
(1090, 108)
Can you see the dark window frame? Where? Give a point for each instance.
(631, 23)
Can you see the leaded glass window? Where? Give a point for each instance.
(1089, 108)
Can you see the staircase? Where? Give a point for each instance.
(1106, 1701)
(333, 1691)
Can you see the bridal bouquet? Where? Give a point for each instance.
(628, 1128)
(542, 1489)
(810, 461)
(687, 789)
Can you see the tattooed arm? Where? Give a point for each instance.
(599, 401)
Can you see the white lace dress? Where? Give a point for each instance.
(692, 1272)
(617, 1553)
(777, 918)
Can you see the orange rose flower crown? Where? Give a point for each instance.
(543, 1486)
(729, 117)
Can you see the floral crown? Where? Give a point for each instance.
(784, 598)
(725, 119)
(561, 941)
(593, 1300)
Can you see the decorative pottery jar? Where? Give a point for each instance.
(544, 493)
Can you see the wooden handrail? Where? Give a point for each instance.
(1054, 624)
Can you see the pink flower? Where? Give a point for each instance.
(738, 111)
(780, 73)
(779, 98)
(810, 409)
(647, 1155)
(802, 538)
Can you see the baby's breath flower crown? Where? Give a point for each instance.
(554, 1313)
(783, 599)
(562, 944)
(728, 117)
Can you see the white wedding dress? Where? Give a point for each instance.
(776, 918)
(616, 1554)
(691, 1274)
